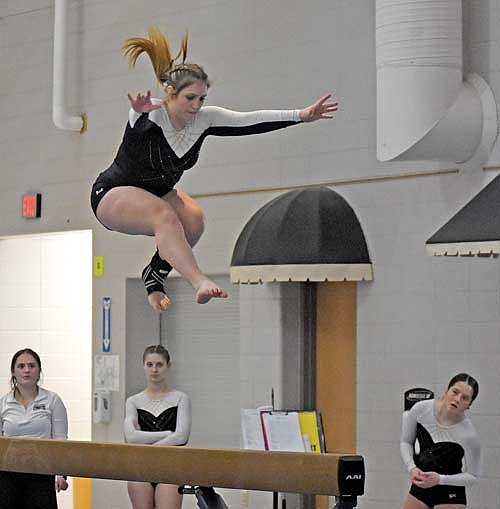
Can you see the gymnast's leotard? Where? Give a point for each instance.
(160, 422)
(452, 451)
(154, 154)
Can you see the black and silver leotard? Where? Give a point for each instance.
(154, 154)
(160, 422)
(452, 451)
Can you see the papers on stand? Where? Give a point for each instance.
(294, 431)
(251, 429)
(282, 431)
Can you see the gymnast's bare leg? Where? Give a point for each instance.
(142, 494)
(131, 210)
(167, 497)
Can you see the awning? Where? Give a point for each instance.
(473, 230)
(302, 235)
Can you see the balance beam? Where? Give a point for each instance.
(287, 472)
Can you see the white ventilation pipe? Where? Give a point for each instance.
(425, 111)
(59, 115)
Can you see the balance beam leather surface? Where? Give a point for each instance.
(223, 468)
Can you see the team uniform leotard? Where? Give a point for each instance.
(158, 422)
(452, 451)
(154, 154)
(161, 422)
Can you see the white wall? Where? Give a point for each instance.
(420, 321)
(45, 305)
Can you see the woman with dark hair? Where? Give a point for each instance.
(162, 140)
(28, 410)
(159, 415)
(440, 447)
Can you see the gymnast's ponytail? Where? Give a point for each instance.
(167, 71)
(158, 49)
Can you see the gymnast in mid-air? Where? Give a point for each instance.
(163, 138)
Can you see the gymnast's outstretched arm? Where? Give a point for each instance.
(225, 122)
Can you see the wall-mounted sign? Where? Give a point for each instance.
(32, 205)
(106, 373)
(98, 266)
(106, 324)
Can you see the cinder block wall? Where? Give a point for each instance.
(420, 321)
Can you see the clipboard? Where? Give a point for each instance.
(307, 426)
(293, 431)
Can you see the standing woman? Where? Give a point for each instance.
(159, 415)
(448, 455)
(162, 140)
(28, 410)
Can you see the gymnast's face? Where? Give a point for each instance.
(155, 368)
(186, 104)
(26, 371)
(458, 398)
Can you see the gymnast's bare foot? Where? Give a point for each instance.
(158, 301)
(207, 290)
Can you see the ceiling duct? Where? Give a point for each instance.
(425, 109)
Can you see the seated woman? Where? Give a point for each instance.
(159, 415)
(447, 457)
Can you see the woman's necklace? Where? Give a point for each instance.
(177, 137)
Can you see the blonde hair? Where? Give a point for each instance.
(167, 71)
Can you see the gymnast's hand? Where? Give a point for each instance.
(424, 479)
(61, 483)
(320, 109)
(142, 102)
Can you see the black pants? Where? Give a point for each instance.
(27, 491)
